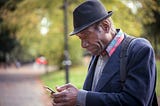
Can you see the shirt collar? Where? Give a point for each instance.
(114, 43)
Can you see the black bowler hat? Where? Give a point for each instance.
(88, 13)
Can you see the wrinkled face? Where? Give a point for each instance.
(92, 39)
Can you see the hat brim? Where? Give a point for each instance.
(77, 30)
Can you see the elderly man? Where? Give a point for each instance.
(103, 86)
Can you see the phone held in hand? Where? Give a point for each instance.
(49, 89)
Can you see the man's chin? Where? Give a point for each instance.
(94, 53)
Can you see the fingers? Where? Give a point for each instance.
(66, 95)
(59, 94)
(60, 104)
(61, 88)
(60, 99)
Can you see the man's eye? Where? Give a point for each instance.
(87, 34)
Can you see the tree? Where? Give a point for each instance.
(150, 18)
(8, 39)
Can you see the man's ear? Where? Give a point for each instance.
(106, 25)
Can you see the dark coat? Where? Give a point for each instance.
(140, 81)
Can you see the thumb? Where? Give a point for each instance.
(64, 87)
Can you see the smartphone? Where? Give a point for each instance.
(49, 89)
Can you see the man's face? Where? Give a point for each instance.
(92, 40)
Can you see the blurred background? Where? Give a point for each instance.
(35, 32)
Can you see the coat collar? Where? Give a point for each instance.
(108, 72)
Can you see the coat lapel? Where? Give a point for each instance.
(109, 71)
(89, 79)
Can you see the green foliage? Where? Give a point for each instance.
(76, 50)
(123, 18)
(7, 39)
(28, 16)
(149, 16)
(50, 45)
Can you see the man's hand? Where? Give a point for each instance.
(66, 96)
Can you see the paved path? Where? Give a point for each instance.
(22, 87)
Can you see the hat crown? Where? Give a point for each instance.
(88, 13)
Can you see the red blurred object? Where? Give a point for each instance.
(41, 60)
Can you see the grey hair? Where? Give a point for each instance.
(113, 30)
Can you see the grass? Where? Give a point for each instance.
(77, 76)
(57, 78)
(158, 78)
